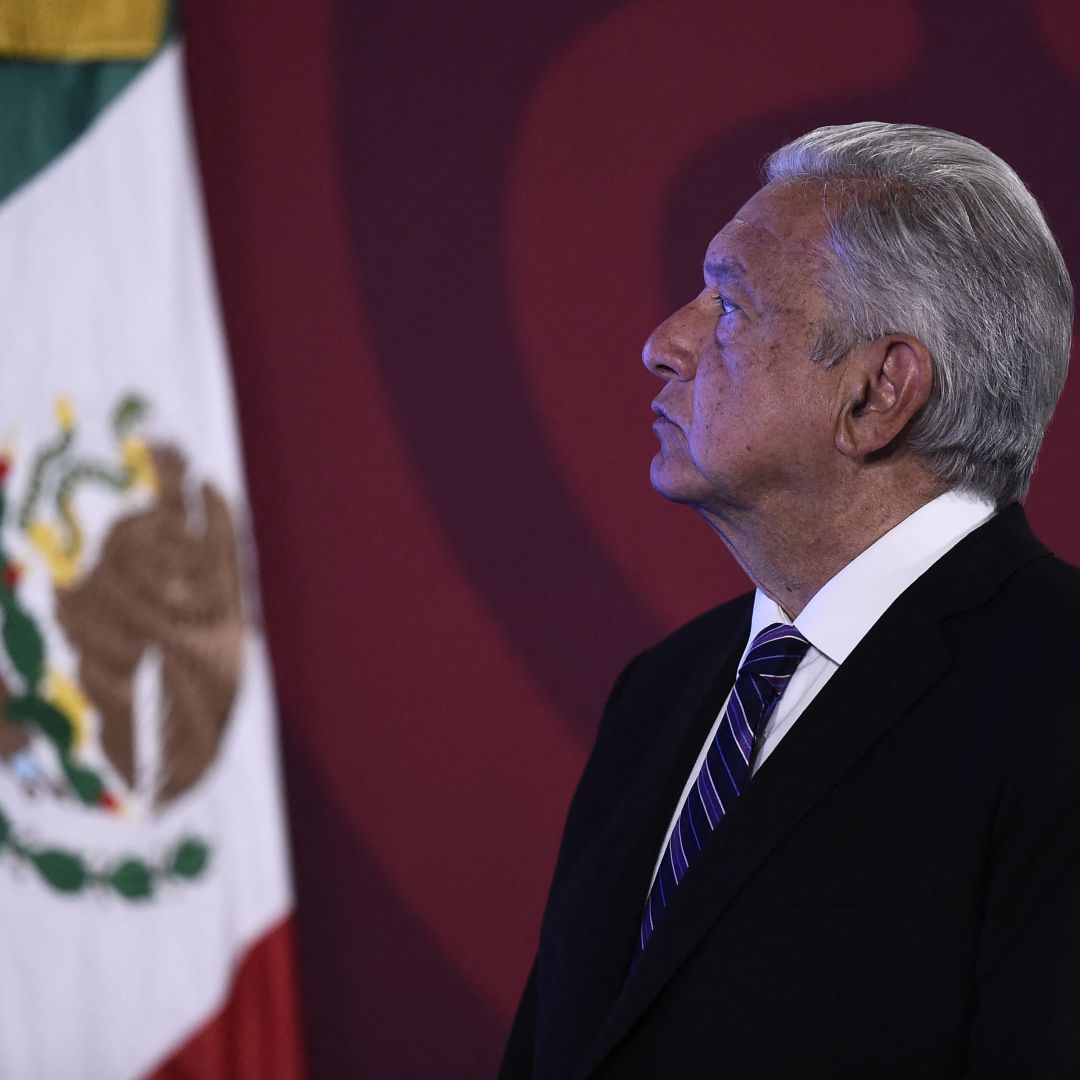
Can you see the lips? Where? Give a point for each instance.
(661, 415)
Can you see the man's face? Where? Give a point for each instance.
(746, 417)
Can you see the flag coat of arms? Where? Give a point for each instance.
(142, 843)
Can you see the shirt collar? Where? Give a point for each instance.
(844, 609)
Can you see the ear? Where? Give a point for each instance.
(885, 383)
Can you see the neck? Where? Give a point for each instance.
(791, 550)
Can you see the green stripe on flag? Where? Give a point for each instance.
(45, 107)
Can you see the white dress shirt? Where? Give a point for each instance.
(843, 610)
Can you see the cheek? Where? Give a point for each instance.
(721, 429)
(741, 420)
(715, 384)
(710, 404)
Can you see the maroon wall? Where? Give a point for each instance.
(443, 232)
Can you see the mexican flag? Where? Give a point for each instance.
(144, 884)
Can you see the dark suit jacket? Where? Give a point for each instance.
(897, 891)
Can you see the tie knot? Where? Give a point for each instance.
(775, 654)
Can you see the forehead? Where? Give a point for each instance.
(774, 238)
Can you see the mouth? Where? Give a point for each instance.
(661, 416)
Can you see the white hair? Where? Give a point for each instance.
(930, 234)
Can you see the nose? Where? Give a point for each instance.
(672, 348)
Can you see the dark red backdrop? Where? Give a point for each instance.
(443, 232)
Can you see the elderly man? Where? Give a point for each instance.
(832, 828)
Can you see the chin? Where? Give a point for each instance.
(675, 480)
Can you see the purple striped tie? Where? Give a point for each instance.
(766, 671)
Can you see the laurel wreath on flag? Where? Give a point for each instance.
(132, 878)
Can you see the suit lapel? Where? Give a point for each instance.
(595, 914)
(897, 662)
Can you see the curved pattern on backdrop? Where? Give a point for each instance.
(443, 233)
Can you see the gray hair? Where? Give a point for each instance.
(930, 234)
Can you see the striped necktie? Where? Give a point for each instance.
(766, 671)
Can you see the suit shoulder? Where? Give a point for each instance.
(1004, 644)
(643, 693)
(637, 710)
(686, 643)
(1042, 593)
(1058, 574)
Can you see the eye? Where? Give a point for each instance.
(727, 306)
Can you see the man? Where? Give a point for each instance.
(832, 828)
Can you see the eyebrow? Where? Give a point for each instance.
(728, 270)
